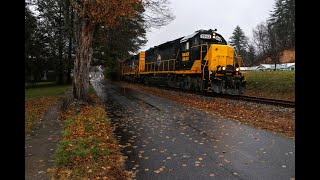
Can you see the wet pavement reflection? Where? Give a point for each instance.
(163, 139)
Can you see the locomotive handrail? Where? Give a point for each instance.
(154, 64)
(205, 62)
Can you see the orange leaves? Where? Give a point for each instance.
(107, 12)
(90, 148)
(35, 109)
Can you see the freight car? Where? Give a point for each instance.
(201, 61)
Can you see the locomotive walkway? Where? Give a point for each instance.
(166, 140)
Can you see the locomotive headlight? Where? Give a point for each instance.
(223, 68)
(237, 69)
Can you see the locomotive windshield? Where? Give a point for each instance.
(212, 39)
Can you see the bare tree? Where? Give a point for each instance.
(157, 13)
(265, 39)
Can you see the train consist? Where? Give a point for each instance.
(201, 62)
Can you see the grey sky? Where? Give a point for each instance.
(223, 15)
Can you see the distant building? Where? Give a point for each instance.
(270, 67)
(253, 68)
(96, 72)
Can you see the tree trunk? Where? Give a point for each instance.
(82, 62)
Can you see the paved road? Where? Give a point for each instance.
(166, 140)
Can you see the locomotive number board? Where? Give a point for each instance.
(205, 36)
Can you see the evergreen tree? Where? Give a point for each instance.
(240, 42)
(283, 22)
(114, 45)
(30, 24)
(52, 21)
(36, 61)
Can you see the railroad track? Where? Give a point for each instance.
(275, 102)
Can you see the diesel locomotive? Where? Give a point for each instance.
(201, 61)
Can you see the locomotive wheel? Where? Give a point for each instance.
(223, 88)
(242, 88)
(171, 82)
(216, 86)
(180, 82)
(200, 84)
(187, 83)
(194, 84)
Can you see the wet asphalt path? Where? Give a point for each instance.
(166, 140)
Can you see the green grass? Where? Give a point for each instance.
(80, 148)
(46, 91)
(39, 84)
(273, 84)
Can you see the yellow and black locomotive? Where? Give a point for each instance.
(201, 62)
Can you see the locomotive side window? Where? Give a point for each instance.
(187, 46)
(195, 41)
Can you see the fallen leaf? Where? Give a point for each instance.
(157, 171)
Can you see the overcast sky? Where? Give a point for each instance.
(223, 15)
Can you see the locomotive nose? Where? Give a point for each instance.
(226, 77)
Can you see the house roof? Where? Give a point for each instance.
(268, 66)
(249, 68)
(278, 66)
(96, 69)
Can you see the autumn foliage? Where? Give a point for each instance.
(88, 149)
(107, 12)
(35, 110)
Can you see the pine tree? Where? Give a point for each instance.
(29, 33)
(240, 42)
(283, 22)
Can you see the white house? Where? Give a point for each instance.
(96, 72)
(253, 68)
(270, 67)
